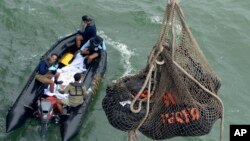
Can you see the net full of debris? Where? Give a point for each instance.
(175, 94)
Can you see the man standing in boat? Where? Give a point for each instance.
(76, 92)
(89, 31)
(47, 69)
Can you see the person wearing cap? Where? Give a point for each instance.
(47, 69)
(76, 92)
(92, 49)
(89, 31)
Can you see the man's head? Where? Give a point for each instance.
(86, 19)
(96, 41)
(53, 58)
(77, 76)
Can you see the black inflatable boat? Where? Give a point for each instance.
(25, 105)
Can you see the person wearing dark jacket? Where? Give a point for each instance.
(92, 49)
(89, 31)
(47, 69)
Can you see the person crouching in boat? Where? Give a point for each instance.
(76, 92)
(47, 69)
(92, 49)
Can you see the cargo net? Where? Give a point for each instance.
(174, 95)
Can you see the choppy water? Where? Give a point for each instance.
(130, 27)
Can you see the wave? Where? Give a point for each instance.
(156, 19)
(159, 20)
(122, 49)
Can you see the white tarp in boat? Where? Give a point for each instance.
(67, 75)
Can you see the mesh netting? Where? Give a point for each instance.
(174, 95)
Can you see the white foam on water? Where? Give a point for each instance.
(122, 49)
(29, 9)
(156, 19)
(159, 20)
(178, 29)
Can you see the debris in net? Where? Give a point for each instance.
(175, 94)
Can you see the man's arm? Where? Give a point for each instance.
(42, 68)
(85, 93)
(65, 90)
(103, 45)
(85, 45)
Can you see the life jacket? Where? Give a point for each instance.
(77, 86)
